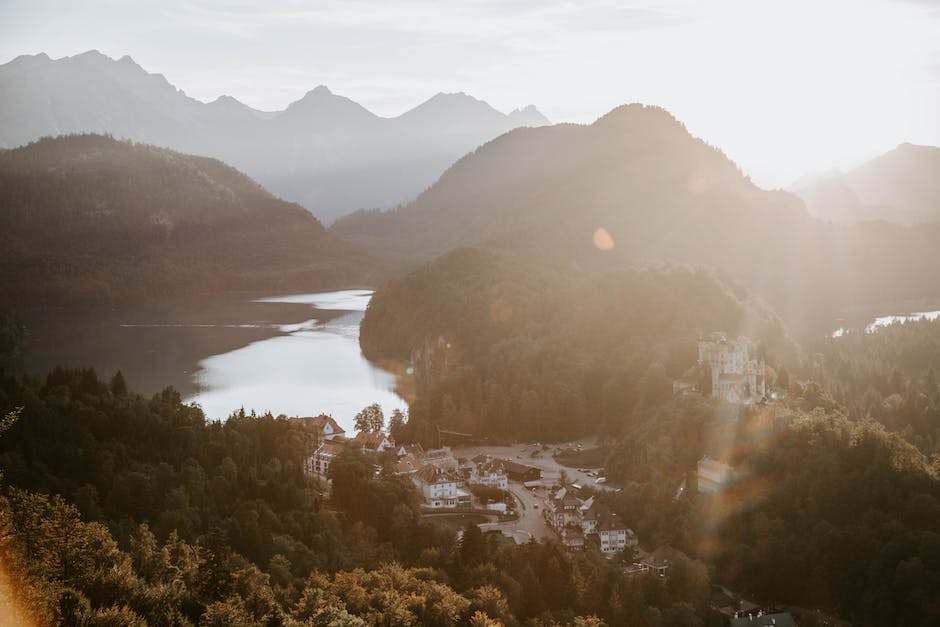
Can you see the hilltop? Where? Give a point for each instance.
(88, 219)
(324, 151)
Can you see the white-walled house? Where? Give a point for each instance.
(440, 487)
(329, 428)
(584, 523)
(490, 474)
(319, 463)
(442, 458)
(602, 526)
(373, 442)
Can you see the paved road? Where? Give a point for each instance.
(551, 470)
(531, 503)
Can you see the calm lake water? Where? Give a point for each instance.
(315, 367)
(296, 355)
(883, 321)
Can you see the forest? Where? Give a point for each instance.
(836, 499)
(90, 220)
(503, 350)
(119, 509)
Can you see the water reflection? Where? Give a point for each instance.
(884, 321)
(313, 368)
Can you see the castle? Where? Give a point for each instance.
(737, 373)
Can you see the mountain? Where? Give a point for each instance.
(87, 219)
(902, 185)
(636, 186)
(545, 356)
(323, 151)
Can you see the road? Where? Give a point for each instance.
(551, 470)
(531, 503)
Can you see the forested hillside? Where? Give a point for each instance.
(324, 151)
(892, 375)
(658, 193)
(825, 511)
(88, 219)
(503, 350)
(117, 509)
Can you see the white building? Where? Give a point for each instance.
(489, 473)
(713, 476)
(737, 373)
(440, 487)
(603, 527)
(319, 463)
(373, 442)
(329, 429)
(442, 458)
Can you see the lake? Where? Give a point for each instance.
(884, 321)
(296, 354)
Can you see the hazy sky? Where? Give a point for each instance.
(782, 87)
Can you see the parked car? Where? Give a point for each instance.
(601, 480)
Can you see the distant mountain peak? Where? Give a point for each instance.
(453, 96)
(91, 55)
(225, 99)
(42, 56)
(128, 61)
(320, 102)
(529, 116)
(320, 90)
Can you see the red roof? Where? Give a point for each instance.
(322, 420)
(432, 474)
(369, 440)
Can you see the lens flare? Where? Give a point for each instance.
(602, 239)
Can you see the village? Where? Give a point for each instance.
(524, 493)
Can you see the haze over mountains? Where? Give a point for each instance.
(657, 193)
(90, 220)
(323, 151)
(902, 185)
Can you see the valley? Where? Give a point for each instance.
(389, 354)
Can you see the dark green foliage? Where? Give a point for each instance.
(12, 335)
(87, 219)
(890, 375)
(178, 521)
(502, 350)
(127, 460)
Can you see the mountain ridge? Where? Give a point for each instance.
(323, 150)
(91, 220)
(636, 186)
(901, 185)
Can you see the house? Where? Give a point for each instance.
(605, 529)
(328, 427)
(520, 472)
(442, 458)
(660, 560)
(737, 372)
(414, 450)
(408, 465)
(440, 487)
(319, 463)
(375, 442)
(563, 510)
(713, 476)
(489, 473)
